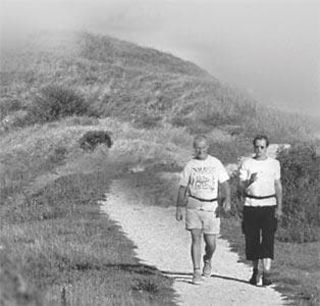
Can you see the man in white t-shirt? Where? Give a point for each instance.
(198, 191)
(261, 188)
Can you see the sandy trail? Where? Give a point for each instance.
(164, 243)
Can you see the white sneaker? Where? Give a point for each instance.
(197, 279)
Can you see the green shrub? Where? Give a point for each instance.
(301, 194)
(55, 102)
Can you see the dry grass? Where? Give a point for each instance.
(62, 246)
(56, 240)
(140, 85)
(54, 237)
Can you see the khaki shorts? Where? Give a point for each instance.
(202, 219)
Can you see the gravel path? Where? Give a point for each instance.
(163, 242)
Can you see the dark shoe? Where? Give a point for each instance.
(254, 278)
(266, 280)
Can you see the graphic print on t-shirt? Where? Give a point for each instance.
(202, 179)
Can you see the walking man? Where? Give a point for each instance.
(198, 191)
(262, 192)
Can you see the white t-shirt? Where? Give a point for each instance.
(202, 177)
(268, 170)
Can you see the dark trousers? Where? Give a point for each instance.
(259, 226)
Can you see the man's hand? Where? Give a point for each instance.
(181, 202)
(226, 192)
(226, 205)
(278, 189)
(179, 214)
(278, 213)
(253, 178)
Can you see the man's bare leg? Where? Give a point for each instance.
(196, 236)
(210, 241)
(196, 247)
(266, 280)
(267, 264)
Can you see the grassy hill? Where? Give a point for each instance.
(55, 246)
(143, 86)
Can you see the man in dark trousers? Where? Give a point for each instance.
(261, 188)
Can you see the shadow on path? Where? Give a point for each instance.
(148, 270)
(184, 275)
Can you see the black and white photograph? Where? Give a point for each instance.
(159, 152)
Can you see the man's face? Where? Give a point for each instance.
(260, 148)
(201, 149)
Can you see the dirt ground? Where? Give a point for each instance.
(164, 243)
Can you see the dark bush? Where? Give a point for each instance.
(91, 139)
(301, 194)
(55, 102)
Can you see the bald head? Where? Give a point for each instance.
(200, 145)
(200, 138)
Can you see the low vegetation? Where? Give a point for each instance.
(63, 251)
(55, 102)
(72, 121)
(102, 76)
(57, 247)
(301, 180)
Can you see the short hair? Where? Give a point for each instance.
(200, 138)
(261, 137)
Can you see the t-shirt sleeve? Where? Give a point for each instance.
(277, 174)
(185, 176)
(223, 174)
(243, 172)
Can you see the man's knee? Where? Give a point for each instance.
(196, 234)
(210, 239)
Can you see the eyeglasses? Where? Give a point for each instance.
(259, 147)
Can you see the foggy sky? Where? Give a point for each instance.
(270, 48)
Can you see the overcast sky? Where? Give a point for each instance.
(271, 48)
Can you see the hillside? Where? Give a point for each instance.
(141, 85)
(56, 248)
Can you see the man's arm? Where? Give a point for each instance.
(181, 202)
(278, 190)
(244, 184)
(227, 195)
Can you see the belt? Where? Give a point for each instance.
(260, 198)
(203, 200)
